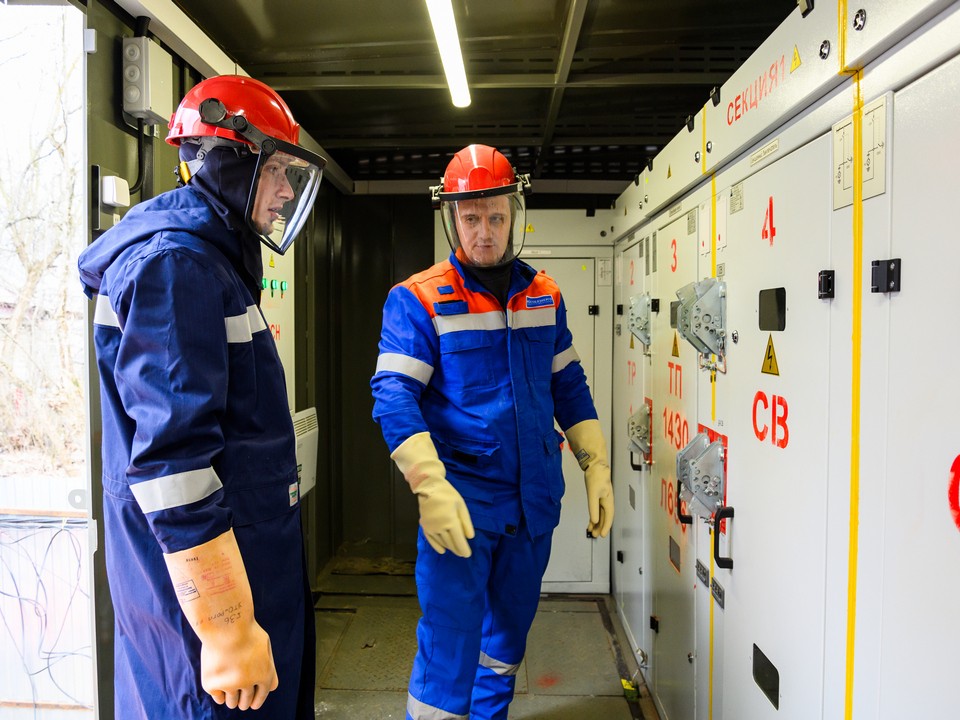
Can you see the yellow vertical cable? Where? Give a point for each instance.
(713, 373)
(857, 333)
(713, 273)
(856, 353)
(713, 225)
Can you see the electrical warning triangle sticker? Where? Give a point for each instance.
(796, 59)
(676, 347)
(770, 359)
(669, 172)
(530, 227)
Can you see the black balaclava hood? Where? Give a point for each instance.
(224, 180)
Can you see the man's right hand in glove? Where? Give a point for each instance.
(443, 513)
(236, 660)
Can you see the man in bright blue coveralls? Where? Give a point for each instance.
(476, 362)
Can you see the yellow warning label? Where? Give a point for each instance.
(271, 260)
(669, 172)
(676, 347)
(530, 227)
(796, 59)
(631, 341)
(770, 359)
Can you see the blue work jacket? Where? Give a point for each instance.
(487, 385)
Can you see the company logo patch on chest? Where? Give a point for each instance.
(541, 301)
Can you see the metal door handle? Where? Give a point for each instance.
(684, 519)
(722, 513)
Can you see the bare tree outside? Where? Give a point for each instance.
(42, 426)
(45, 599)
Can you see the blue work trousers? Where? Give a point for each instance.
(477, 612)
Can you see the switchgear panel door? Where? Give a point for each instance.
(773, 400)
(674, 375)
(920, 449)
(631, 468)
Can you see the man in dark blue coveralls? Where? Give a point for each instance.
(201, 502)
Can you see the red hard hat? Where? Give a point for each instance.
(240, 95)
(478, 167)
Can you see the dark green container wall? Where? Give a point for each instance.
(112, 143)
(317, 256)
(386, 239)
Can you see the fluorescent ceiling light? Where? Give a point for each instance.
(445, 30)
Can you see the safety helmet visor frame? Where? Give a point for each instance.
(290, 178)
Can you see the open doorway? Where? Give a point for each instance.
(46, 613)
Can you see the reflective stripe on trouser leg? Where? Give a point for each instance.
(513, 593)
(451, 591)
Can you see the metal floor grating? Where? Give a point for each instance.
(366, 643)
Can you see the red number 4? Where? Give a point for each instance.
(769, 230)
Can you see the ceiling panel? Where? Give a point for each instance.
(570, 89)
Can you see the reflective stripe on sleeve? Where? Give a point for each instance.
(500, 668)
(542, 317)
(405, 365)
(421, 711)
(469, 321)
(172, 491)
(103, 314)
(561, 360)
(240, 328)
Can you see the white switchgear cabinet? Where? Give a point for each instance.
(834, 398)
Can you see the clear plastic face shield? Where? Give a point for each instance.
(485, 228)
(281, 197)
(285, 182)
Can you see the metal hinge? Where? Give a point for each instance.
(885, 276)
(825, 282)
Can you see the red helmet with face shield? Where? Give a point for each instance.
(481, 202)
(235, 110)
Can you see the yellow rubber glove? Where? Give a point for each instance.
(588, 447)
(236, 660)
(443, 513)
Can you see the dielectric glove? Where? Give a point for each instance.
(236, 660)
(443, 513)
(586, 441)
